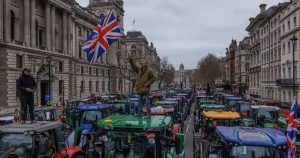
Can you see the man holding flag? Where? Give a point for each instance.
(292, 130)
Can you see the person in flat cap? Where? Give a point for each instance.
(27, 85)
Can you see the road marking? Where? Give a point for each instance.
(190, 120)
(187, 128)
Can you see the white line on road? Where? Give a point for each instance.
(190, 120)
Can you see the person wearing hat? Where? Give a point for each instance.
(27, 85)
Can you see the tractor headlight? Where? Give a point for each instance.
(279, 147)
(151, 141)
(26, 133)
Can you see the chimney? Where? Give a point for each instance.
(262, 7)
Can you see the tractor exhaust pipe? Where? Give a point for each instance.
(91, 152)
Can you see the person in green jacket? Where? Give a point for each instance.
(144, 80)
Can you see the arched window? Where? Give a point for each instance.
(103, 86)
(12, 23)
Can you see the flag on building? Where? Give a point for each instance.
(292, 130)
(105, 34)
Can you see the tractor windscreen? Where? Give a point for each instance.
(90, 116)
(15, 145)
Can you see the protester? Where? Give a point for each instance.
(27, 85)
(144, 80)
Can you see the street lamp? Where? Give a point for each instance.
(49, 59)
(294, 39)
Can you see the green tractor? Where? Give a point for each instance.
(137, 137)
(262, 116)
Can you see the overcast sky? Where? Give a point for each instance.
(187, 30)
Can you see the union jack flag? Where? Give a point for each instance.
(106, 33)
(292, 130)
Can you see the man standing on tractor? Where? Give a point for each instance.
(27, 85)
(144, 80)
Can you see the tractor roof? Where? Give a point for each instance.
(94, 106)
(123, 122)
(221, 114)
(233, 98)
(265, 107)
(133, 99)
(45, 108)
(252, 136)
(39, 126)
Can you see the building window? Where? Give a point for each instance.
(97, 86)
(82, 70)
(289, 25)
(60, 66)
(12, 23)
(97, 71)
(61, 87)
(19, 61)
(90, 86)
(79, 31)
(82, 87)
(17, 90)
(289, 47)
(90, 71)
(289, 72)
(283, 28)
(108, 86)
(295, 21)
(103, 86)
(283, 48)
(295, 71)
(283, 71)
(80, 50)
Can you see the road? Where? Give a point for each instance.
(188, 131)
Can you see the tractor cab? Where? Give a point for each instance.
(243, 108)
(85, 122)
(121, 106)
(133, 105)
(244, 142)
(138, 137)
(40, 139)
(232, 103)
(263, 116)
(45, 114)
(210, 119)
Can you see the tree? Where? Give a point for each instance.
(166, 72)
(209, 69)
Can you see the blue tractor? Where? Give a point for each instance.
(86, 122)
(248, 142)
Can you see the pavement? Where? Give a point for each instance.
(189, 136)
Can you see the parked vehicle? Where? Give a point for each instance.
(45, 114)
(85, 122)
(210, 119)
(40, 139)
(262, 116)
(245, 142)
(138, 137)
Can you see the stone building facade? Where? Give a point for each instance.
(230, 62)
(139, 47)
(242, 62)
(34, 33)
(290, 24)
(183, 78)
